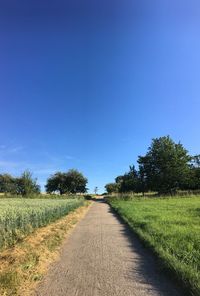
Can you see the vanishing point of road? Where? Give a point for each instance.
(102, 257)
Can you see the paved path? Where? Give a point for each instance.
(102, 257)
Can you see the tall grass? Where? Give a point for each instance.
(19, 217)
(171, 227)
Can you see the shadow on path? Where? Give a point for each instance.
(103, 257)
(149, 267)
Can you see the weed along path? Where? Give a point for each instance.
(102, 257)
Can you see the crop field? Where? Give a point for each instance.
(171, 227)
(19, 217)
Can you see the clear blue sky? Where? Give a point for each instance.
(87, 84)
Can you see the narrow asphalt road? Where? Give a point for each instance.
(102, 257)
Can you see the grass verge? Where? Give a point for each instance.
(171, 228)
(25, 264)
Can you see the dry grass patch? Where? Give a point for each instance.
(22, 266)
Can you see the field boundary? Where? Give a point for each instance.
(163, 264)
(23, 266)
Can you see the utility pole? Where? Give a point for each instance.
(95, 190)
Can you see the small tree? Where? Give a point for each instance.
(26, 185)
(7, 183)
(95, 190)
(112, 187)
(129, 181)
(194, 177)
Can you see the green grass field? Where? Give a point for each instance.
(19, 216)
(171, 227)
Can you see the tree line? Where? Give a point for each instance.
(23, 185)
(165, 168)
(71, 182)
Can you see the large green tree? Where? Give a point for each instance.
(56, 183)
(165, 167)
(70, 182)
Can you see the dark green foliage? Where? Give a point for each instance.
(131, 181)
(7, 183)
(88, 197)
(112, 187)
(165, 167)
(194, 180)
(24, 185)
(56, 183)
(128, 182)
(70, 182)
